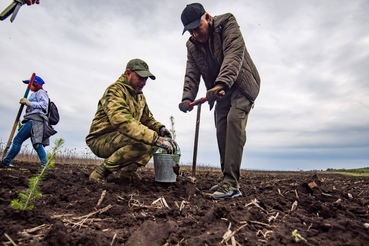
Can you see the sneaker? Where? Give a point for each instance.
(215, 187)
(220, 182)
(226, 191)
(2, 164)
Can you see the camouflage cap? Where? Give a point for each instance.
(140, 67)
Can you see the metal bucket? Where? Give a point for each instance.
(163, 165)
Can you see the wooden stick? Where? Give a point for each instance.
(262, 233)
(297, 195)
(101, 198)
(96, 212)
(261, 223)
(227, 237)
(112, 241)
(36, 228)
(9, 238)
(60, 216)
(294, 206)
(271, 218)
(256, 203)
(280, 193)
(183, 204)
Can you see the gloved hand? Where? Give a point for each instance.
(164, 132)
(213, 94)
(30, 2)
(167, 143)
(183, 106)
(24, 101)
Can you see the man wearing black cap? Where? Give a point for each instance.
(216, 52)
(124, 131)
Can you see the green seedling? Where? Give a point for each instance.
(172, 130)
(297, 236)
(32, 193)
(177, 154)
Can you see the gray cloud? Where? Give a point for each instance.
(312, 57)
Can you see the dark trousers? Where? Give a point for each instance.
(231, 114)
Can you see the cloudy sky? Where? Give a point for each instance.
(312, 56)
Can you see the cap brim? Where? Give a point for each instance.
(192, 25)
(145, 74)
(26, 81)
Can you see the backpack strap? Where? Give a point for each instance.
(48, 108)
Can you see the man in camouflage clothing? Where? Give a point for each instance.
(124, 131)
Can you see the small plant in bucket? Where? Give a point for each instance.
(177, 154)
(167, 165)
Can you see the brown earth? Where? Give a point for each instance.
(324, 208)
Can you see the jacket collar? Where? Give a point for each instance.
(123, 79)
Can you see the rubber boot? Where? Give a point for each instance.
(100, 174)
(129, 172)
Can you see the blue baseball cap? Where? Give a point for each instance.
(37, 79)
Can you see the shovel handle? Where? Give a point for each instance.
(203, 99)
(17, 118)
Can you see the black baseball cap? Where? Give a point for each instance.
(191, 16)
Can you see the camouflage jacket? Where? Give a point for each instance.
(126, 111)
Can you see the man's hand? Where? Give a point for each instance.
(164, 132)
(168, 144)
(213, 94)
(184, 107)
(24, 101)
(30, 2)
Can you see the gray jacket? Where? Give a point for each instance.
(41, 130)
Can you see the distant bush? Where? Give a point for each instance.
(355, 170)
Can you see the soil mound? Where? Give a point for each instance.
(277, 208)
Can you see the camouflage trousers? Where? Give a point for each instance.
(120, 151)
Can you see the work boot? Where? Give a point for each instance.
(100, 174)
(129, 172)
(226, 191)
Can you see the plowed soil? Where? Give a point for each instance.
(324, 208)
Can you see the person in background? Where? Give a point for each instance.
(35, 124)
(124, 131)
(216, 52)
